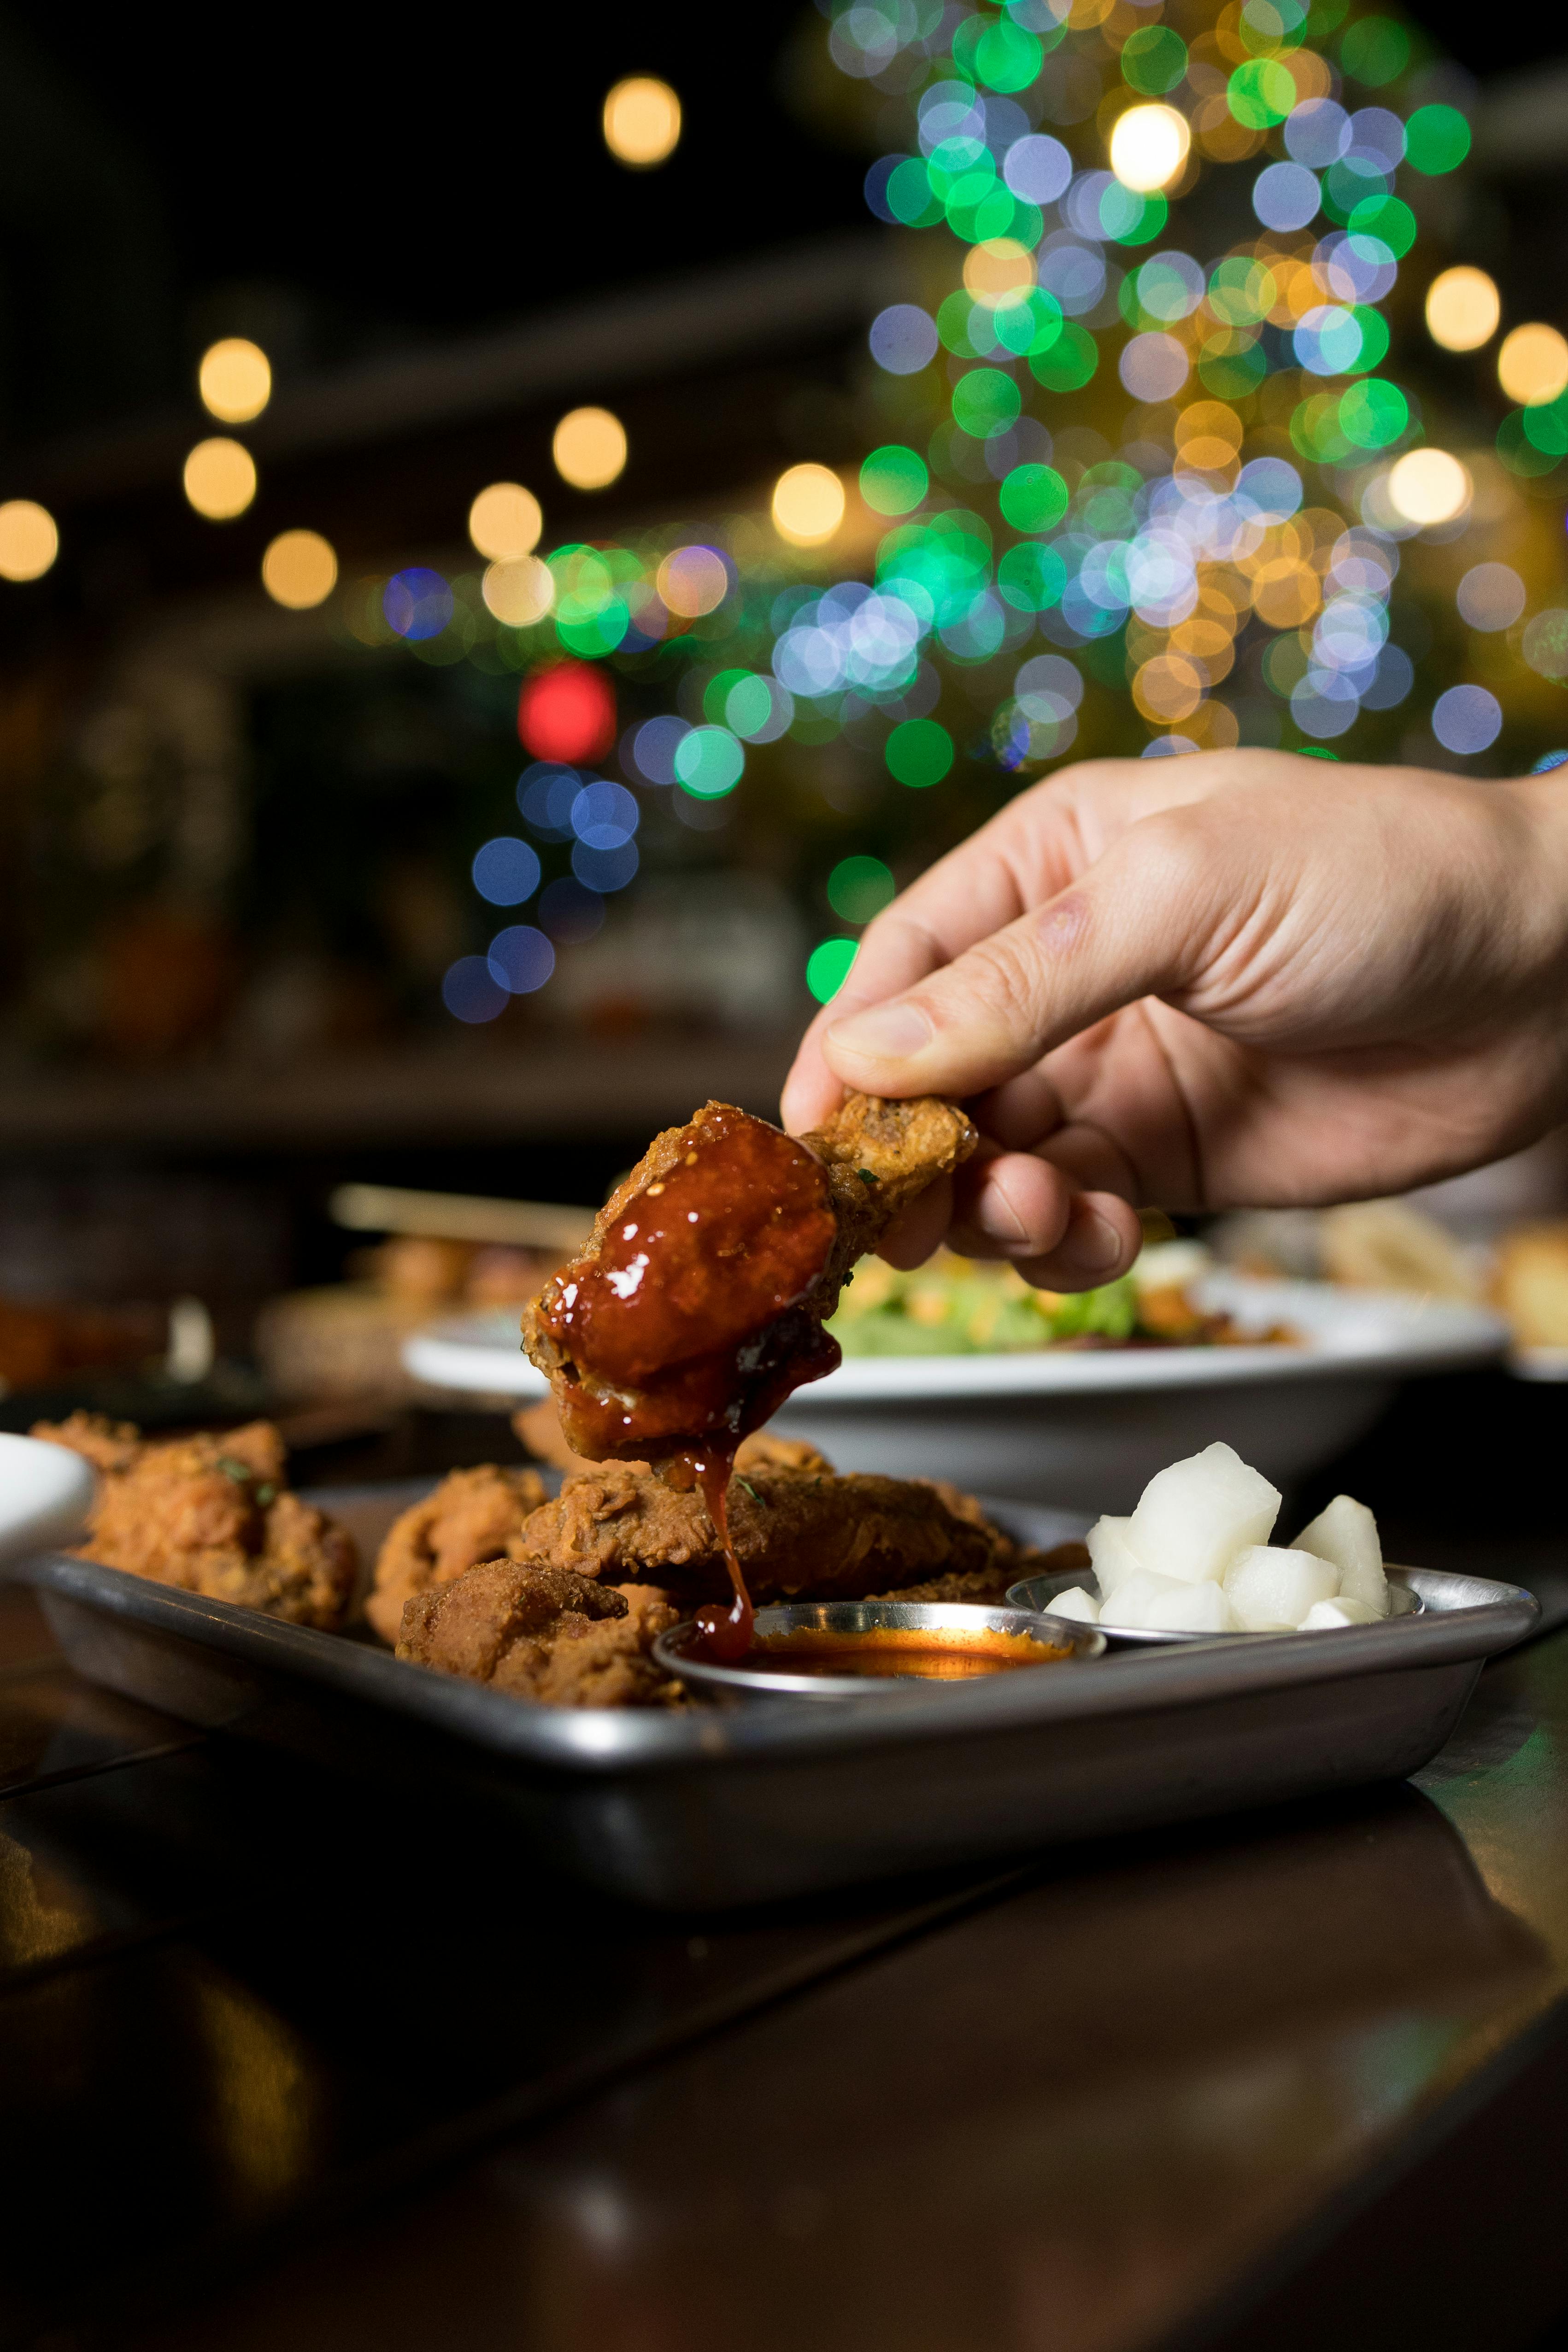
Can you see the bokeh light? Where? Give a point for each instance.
(417, 603)
(29, 540)
(470, 992)
(903, 339)
(1428, 486)
(693, 581)
(919, 752)
(1149, 147)
(519, 593)
(998, 270)
(1490, 596)
(1532, 364)
(859, 887)
(521, 959)
(1467, 720)
(219, 480)
(589, 448)
(642, 122)
(505, 522)
(234, 380)
(567, 712)
(506, 871)
(808, 504)
(708, 762)
(299, 569)
(893, 479)
(1154, 366)
(1463, 308)
(828, 968)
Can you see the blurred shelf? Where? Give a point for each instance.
(556, 1088)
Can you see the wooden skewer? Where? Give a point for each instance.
(459, 1217)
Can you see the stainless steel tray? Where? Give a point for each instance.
(711, 1809)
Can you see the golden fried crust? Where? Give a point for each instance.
(473, 1515)
(541, 1633)
(796, 1531)
(210, 1515)
(879, 1157)
(107, 1444)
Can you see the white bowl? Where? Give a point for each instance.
(1085, 1430)
(46, 1492)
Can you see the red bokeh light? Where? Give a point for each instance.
(566, 713)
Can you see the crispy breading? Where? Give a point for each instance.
(211, 1515)
(473, 1515)
(877, 1156)
(541, 1633)
(796, 1532)
(989, 1585)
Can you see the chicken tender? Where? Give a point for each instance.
(542, 1633)
(473, 1515)
(697, 1304)
(798, 1532)
(212, 1514)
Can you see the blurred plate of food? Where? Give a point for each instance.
(1076, 1401)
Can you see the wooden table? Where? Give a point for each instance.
(282, 2070)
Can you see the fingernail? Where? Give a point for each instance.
(883, 1033)
(1093, 1245)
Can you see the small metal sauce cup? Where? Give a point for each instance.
(1038, 1592)
(753, 1678)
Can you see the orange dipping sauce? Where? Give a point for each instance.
(915, 1654)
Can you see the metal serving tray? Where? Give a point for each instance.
(715, 1808)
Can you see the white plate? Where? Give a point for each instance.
(45, 1494)
(1085, 1429)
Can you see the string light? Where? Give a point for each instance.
(1532, 365)
(220, 479)
(1463, 308)
(234, 380)
(1428, 486)
(642, 122)
(1149, 147)
(589, 448)
(808, 504)
(505, 522)
(299, 569)
(29, 540)
(519, 593)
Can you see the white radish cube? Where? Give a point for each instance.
(1075, 1602)
(1346, 1533)
(1136, 1596)
(1326, 1616)
(1112, 1555)
(1191, 1609)
(1194, 1517)
(1270, 1586)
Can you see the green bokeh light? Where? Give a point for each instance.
(893, 479)
(828, 967)
(748, 705)
(1373, 414)
(1388, 218)
(859, 887)
(1031, 577)
(1070, 363)
(1437, 139)
(908, 196)
(1034, 498)
(709, 763)
(919, 752)
(1260, 93)
(1154, 59)
(1374, 50)
(985, 401)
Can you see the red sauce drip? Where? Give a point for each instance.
(687, 1328)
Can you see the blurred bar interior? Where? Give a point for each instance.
(454, 710)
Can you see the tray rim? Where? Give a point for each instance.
(595, 1743)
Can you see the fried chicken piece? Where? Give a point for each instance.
(696, 1304)
(211, 1515)
(541, 1633)
(987, 1586)
(798, 1532)
(473, 1515)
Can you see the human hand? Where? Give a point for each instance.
(1234, 979)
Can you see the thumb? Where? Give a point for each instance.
(1137, 924)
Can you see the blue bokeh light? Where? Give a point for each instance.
(417, 603)
(506, 871)
(521, 959)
